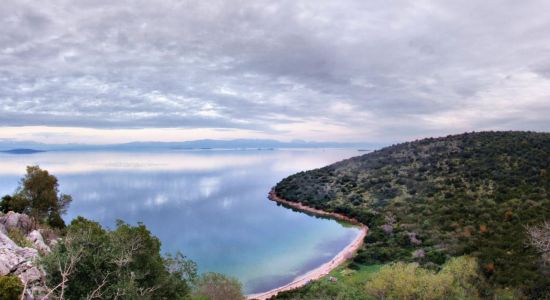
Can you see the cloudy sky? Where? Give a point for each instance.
(98, 71)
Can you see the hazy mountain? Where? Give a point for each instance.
(188, 145)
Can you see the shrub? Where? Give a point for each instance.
(55, 220)
(15, 204)
(409, 281)
(19, 238)
(11, 288)
(215, 286)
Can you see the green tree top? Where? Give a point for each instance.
(38, 195)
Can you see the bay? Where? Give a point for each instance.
(211, 205)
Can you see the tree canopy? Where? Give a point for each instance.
(39, 197)
(91, 262)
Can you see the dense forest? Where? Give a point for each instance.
(426, 201)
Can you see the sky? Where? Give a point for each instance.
(103, 71)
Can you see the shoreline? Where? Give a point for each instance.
(325, 268)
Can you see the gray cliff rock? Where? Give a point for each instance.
(21, 261)
(36, 238)
(13, 220)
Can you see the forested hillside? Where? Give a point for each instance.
(428, 200)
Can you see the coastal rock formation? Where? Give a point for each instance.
(21, 261)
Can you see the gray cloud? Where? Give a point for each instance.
(375, 68)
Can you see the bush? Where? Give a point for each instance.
(19, 238)
(11, 288)
(55, 220)
(15, 204)
(215, 286)
(409, 281)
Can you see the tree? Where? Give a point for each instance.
(93, 263)
(215, 286)
(13, 203)
(38, 190)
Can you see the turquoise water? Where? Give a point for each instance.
(211, 205)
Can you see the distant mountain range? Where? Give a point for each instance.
(30, 147)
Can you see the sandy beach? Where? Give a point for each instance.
(324, 269)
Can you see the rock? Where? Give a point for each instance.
(6, 242)
(12, 256)
(36, 238)
(21, 262)
(413, 238)
(13, 220)
(28, 273)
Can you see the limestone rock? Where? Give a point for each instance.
(13, 220)
(36, 238)
(12, 256)
(21, 261)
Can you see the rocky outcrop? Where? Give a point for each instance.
(36, 238)
(13, 220)
(21, 261)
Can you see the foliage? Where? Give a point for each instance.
(409, 281)
(349, 285)
(13, 203)
(429, 200)
(215, 286)
(11, 288)
(39, 197)
(55, 221)
(125, 263)
(19, 238)
(324, 289)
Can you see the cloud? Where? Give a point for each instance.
(351, 70)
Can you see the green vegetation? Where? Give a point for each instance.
(93, 262)
(11, 288)
(429, 200)
(14, 204)
(456, 280)
(39, 197)
(346, 284)
(216, 286)
(19, 238)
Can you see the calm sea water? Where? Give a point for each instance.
(211, 205)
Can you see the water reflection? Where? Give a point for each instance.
(211, 205)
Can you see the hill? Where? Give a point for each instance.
(432, 199)
(22, 151)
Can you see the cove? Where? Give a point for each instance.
(210, 204)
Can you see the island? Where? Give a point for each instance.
(22, 151)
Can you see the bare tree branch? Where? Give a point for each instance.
(96, 293)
